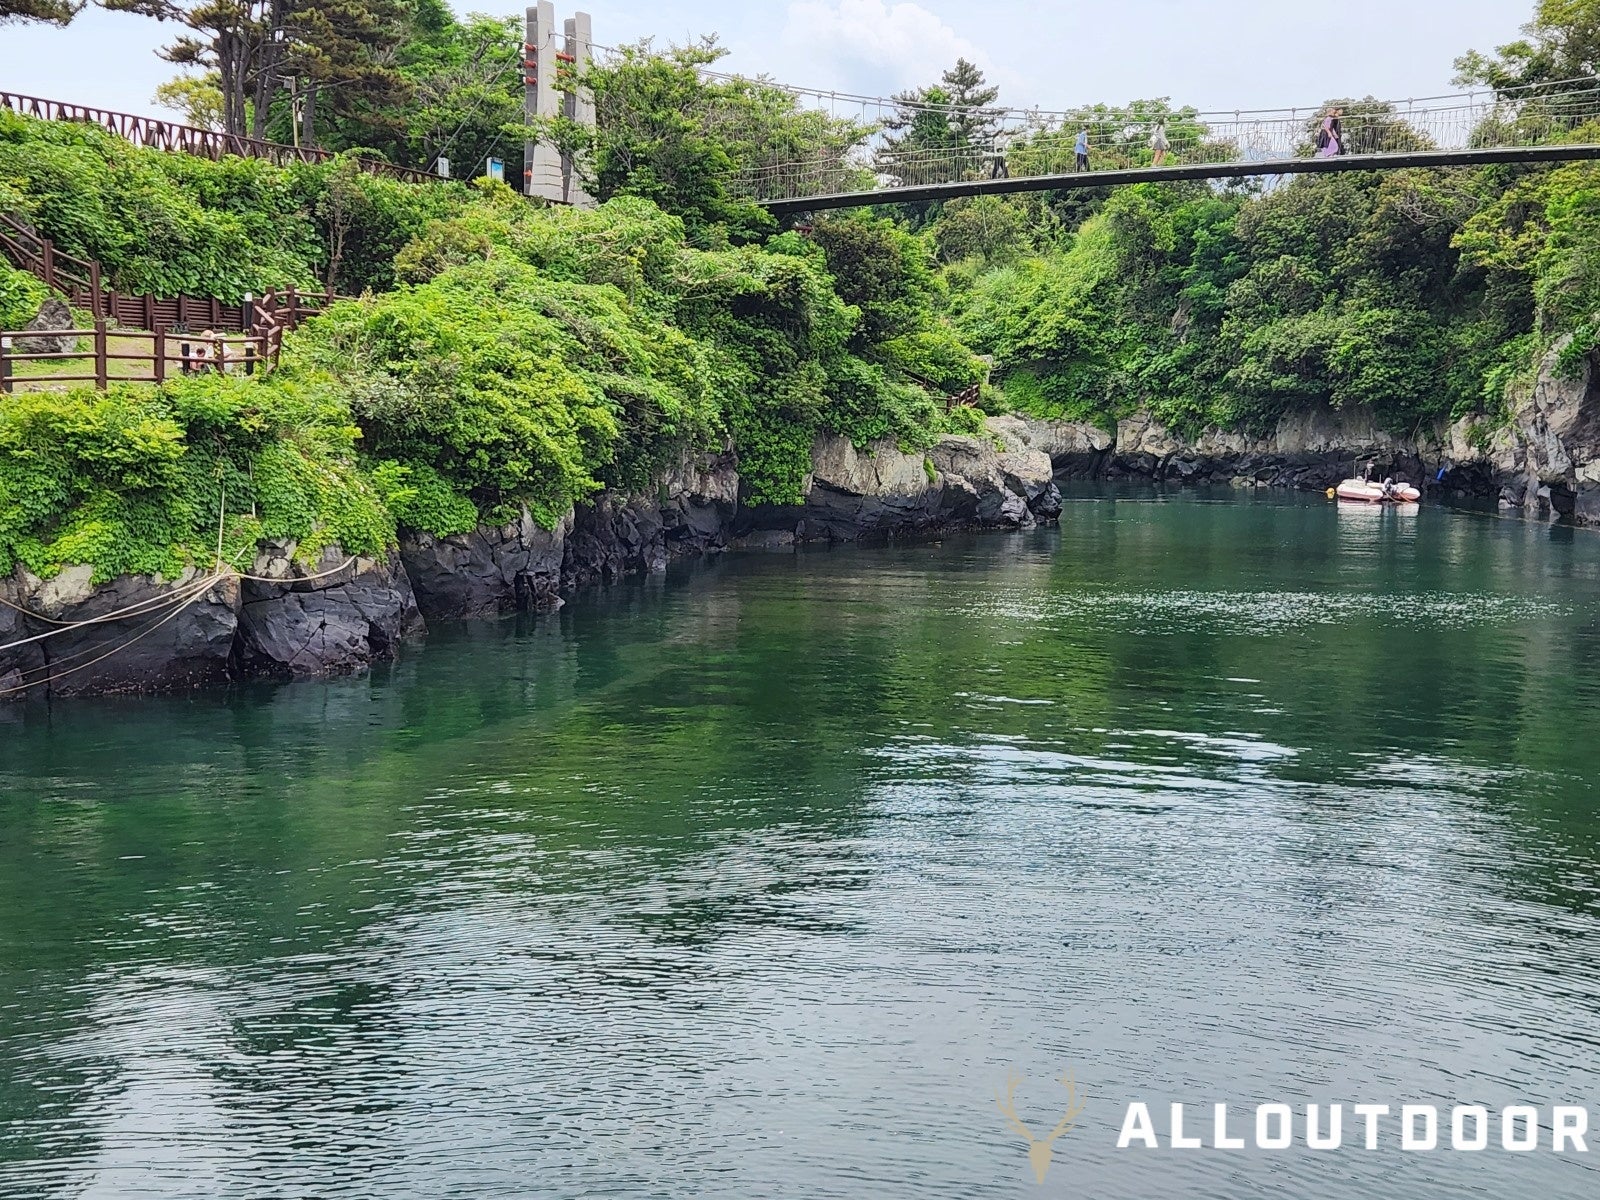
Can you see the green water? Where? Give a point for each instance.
(758, 880)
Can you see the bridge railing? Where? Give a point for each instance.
(188, 139)
(1122, 141)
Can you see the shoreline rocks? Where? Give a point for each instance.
(1544, 461)
(487, 572)
(334, 618)
(286, 620)
(155, 644)
(997, 481)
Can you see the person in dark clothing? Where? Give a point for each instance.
(1330, 135)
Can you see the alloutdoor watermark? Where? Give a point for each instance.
(1221, 1126)
(1516, 1128)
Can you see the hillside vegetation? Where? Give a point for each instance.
(499, 355)
(495, 354)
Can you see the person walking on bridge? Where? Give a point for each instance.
(1081, 148)
(1330, 137)
(1158, 144)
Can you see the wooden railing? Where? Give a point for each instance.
(115, 356)
(83, 284)
(966, 398)
(188, 139)
(77, 280)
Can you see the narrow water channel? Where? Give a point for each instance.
(763, 879)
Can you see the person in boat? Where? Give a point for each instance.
(1388, 487)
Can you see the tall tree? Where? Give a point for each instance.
(1562, 42)
(254, 45)
(463, 88)
(972, 118)
(241, 40)
(342, 54)
(936, 128)
(668, 131)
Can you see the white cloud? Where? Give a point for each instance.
(870, 46)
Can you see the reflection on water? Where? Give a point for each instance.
(758, 880)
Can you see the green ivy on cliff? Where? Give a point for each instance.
(140, 480)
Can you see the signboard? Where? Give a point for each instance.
(444, 168)
(496, 169)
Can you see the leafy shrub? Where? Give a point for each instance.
(136, 479)
(20, 297)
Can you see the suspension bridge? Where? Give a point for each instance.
(990, 149)
(1029, 150)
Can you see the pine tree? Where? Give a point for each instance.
(935, 127)
(53, 12)
(972, 119)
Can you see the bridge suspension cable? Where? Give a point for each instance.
(1142, 136)
(858, 156)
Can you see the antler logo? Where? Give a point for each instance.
(1039, 1151)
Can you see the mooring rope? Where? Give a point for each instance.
(142, 608)
(55, 677)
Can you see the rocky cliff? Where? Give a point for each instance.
(70, 637)
(1310, 449)
(284, 618)
(1543, 460)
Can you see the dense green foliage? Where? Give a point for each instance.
(1222, 309)
(518, 356)
(139, 480)
(169, 224)
(543, 354)
(1416, 295)
(669, 133)
(505, 354)
(20, 297)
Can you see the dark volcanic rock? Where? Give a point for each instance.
(998, 481)
(159, 647)
(53, 317)
(1310, 448)
(1546, 460)
(20, 663)
(488, 571)
(690, 513)
(330, 625)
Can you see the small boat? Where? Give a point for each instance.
(1376, 493)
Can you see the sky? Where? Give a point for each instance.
(1055, 54)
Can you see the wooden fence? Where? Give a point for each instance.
(188, 139)
(123, 356)
(83, 284)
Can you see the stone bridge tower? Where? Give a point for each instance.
(546, 171)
